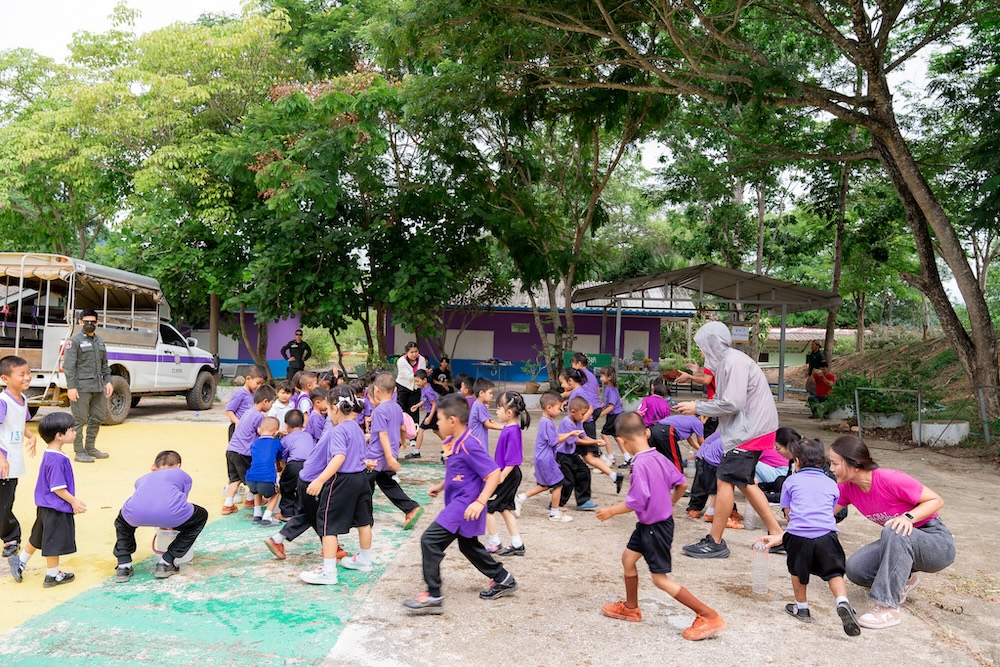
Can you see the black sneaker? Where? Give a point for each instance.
(511, 550)
(625, 464)
(257, 519)
(58, 580)
(16, 568)
(11, 549)
(849, 619)
(707, 548)
(619, 481)
(793, 610)
(164, 570)
(498, 590)
(123, 573)
(424, 603)
(412, 455)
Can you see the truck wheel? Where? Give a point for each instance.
(202, 395)
(119, 401)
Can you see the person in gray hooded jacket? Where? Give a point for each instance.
(748, 421)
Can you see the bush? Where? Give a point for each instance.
(880, 337)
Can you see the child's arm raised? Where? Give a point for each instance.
(79, 507)
(477, 506)
(329, 471)
(568, 434)
(390, 460)
(605, 513)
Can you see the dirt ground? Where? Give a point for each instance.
(570, 570)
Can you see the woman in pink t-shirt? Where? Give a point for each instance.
(913, 538)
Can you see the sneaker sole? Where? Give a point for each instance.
(724, 553)
(709, 635)
(164, 575)
(356, 568)
(849, 620)
(501, 593)
(320, 583)
(53, 584)
(424, 611)
(410, 523)
(621, 617)
(273, 549)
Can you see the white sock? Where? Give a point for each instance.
(553, 512)
(843, 600)
(710, 511)
(278, 538)
(258, 510)
(613, 476)
(25, 557)
(128, 565)
(493, 539)
(330, 566)
(627, 457)
(229, 501)
(162, 561)
(267, 515)
(803, 605)
(515, 541)
(52, 571)
(364, 555)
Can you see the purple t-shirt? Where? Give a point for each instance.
(810, 497)
(685, 426)
(317, 459)
(567, 425)
(348, 439)
(591, 390)
(428, 396)
(509, 451)
(316, 425)
(613, 397)
(246, 432)
(711, 450)
(369, 406)
(298, 445)
(653, 477)
(386, 417)
(479, 414)
(240, 402)
(464, 474)
(653, 408)
(160, 499)
(582, 393)
(264, 452)
(892, 493)
(547, 471)
(55, 472)
(471, 400)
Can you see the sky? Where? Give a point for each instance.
(48, 25)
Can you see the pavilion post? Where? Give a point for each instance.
(781, 354)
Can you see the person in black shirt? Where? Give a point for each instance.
(441, 377)
(815, 358)
(296, 352)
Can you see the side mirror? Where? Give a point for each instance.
(192, 342)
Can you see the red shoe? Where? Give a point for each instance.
(229, 509)
(342, 554)
(736, 515)
(620, 611)
(703, 628)
(734, 524)
(248, 504)
(277, 549)
(694, 514)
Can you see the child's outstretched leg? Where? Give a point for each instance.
(557, 513)
(627, 609)
(595, 462)
(844, 609)
(258, 508)
(516, 546)
(492, 533)
(432, 545)
(707, 622)
(800, 608)
(266, 518)
(361, 561)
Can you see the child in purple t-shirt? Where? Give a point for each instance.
(54, 531)
(548, 474)
(480, 420)
(654, 487)
(509, 454)
(160, 501)
(242, 400)
(428, 401)
(298, 445)
(655, 407)
(382, 456)
(470, 478)
(810, 539)
(612, 403)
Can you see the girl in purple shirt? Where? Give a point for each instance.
(612, 408)
(513, 414)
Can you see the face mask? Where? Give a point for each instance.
(89, 327)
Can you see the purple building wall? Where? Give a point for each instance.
(278, 333)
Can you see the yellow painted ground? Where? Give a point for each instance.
(104, 486)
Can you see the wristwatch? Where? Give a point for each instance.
(909, 516)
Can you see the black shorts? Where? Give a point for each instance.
(266, 489)
(237, 464)
(503, 497)
(653, 541)
(54, 532)
(344, 503)
(609, 424)
(822, 556)
(583, 450)
(737, 467)
(433, 425)
(590, 428)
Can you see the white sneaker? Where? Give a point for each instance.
(518, 503)
(562, 517)
(879, 617)
(319, 576)
(352, 563)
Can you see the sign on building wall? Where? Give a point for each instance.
(741, 333)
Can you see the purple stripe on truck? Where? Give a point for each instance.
(165, 358)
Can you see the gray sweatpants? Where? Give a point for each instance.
(87, 411)
(884, 566)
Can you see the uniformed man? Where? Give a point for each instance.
(296, 352)
(88, 383)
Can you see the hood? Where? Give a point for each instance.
(713, 339)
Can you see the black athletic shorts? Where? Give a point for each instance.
(54, 532)
(609, 424)
(653, 541)
(266, 489)
(344, 503)
(822, 556)
(583, 450)
(503, 497)
(737, 467)
(590, 428)
(238, 464)
(433, 425)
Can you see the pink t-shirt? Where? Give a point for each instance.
(772, 458)
(760, 443)
(892, 493)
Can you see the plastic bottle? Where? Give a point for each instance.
(759, 572)
(750, 518)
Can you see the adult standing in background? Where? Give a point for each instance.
(816, 358)
(407, 395)
(88, 384)
(296, 352)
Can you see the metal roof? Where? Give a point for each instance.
(709, 283)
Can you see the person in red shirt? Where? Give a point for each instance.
(823, 379)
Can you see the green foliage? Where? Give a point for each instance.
(324, 353)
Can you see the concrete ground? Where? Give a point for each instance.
(236, 605)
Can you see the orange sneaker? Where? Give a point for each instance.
(248, 504)
(703, 628)
(277, 549)
(734, 524)
(694, 514)
(342, 554)
(229, 509)
(736, 515)
(620, 611)
(709, 518)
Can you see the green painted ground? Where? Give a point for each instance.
(234, 605)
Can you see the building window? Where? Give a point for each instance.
(764, 357)
(520, 327)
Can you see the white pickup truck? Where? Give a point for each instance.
(41, 296)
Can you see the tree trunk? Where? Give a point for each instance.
(761, 191)
(380, 330)
(860, 301)
(254, 350)
(213, 325)
(838, 254)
